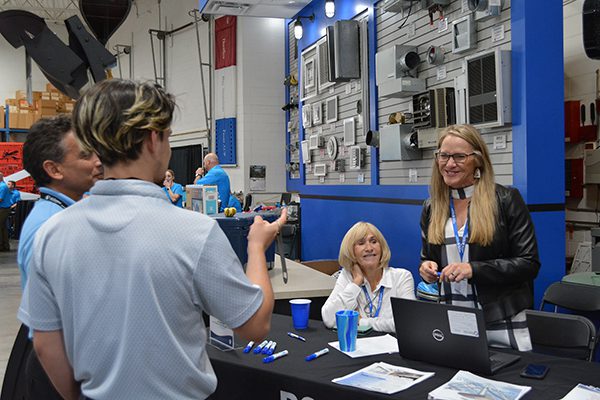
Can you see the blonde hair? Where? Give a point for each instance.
(114, 117)
(483, 209)
(171, 172)
(359, 231)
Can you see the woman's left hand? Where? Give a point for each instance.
(456, 272)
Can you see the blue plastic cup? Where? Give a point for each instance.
(347, 329)
(300, 311)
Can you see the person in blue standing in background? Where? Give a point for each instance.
(173, 190)
(5, 203)
(215, 175)
(15, 195)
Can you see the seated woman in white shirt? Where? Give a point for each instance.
(367, 282)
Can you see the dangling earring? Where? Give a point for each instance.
(477, 173)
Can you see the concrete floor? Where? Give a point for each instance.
(10, 297)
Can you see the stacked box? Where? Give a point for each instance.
(3, 116)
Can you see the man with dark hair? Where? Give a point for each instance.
(15, 195)
(4, 214)
(119, 281)
(63, 172)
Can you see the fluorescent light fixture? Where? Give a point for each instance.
(329, 8)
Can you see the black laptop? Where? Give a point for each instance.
(446, 335)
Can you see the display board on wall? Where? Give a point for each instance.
(332, 113)
(225, 136)
(443, 40)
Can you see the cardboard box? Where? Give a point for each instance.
(204, 199)
(2, 117)
(12, 102)
(50, 88)
(21, 94)
(13, 119)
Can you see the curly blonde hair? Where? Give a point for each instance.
(114, 117)
(359, 231)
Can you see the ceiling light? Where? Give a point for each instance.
(329, 8)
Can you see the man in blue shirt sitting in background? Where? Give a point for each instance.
(215, 175)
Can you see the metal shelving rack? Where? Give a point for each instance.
(7, 131)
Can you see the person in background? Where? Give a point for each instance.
(15, 195)
(479, 236)
(366, 282)
(62, 171)
(126, 262)
(5, 203)
(215, 175)
(173, 190)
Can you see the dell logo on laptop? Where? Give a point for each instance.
(437, 335)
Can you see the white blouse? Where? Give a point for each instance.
(347, 295)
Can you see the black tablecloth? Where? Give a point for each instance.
(245, 376)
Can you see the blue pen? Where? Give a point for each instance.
(317, 354)
(265, 349)
(293, 335)
(272, 348)
(248, 347)
(275, 356)
(259, 348)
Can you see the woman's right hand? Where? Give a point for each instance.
(357, 275)
(428, 271)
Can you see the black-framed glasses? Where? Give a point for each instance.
(459, 158)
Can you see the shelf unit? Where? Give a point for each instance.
(7, 131)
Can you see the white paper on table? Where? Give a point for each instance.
(371, 346)
(583, 392)
(467, 385)
(384, 378)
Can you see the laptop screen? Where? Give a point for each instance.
(442, 334)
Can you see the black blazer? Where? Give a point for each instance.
(503, 272)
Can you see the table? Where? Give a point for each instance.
(245, 376)
(303, 282)
(583, 278)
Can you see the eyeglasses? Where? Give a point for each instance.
(459, 158)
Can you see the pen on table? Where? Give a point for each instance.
(317, 354)
(248, 347)
(275, 356)
(272, 348)
(293, 335)
(267, 347)
(259, 348)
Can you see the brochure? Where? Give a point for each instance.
(383, 378)
(371, 346)
(583, 392)
(465, 385)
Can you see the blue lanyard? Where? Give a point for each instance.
(381, 289)
(461, 244)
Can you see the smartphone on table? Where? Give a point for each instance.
(535, 371)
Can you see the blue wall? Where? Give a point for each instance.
(538, 150)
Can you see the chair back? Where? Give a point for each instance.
(562, 335)
(573, 296)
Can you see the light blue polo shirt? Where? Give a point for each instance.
(41, 212)
(176, 189)
(217, 176)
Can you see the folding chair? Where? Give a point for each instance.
(573, 296)
(562, 335)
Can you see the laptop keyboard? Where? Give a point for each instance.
(495, 360)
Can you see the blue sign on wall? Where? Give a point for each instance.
(225, 141)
